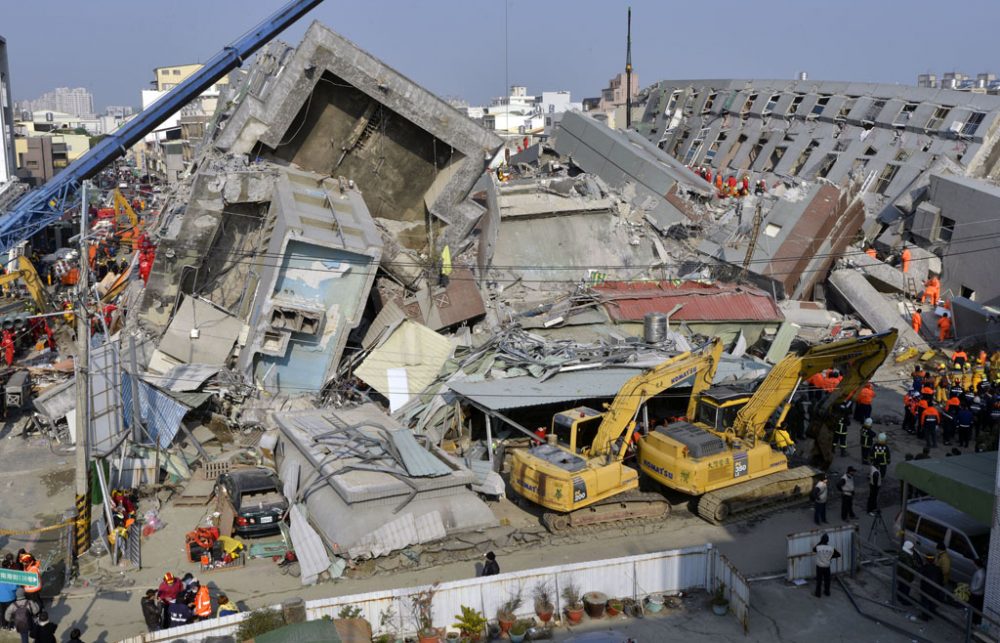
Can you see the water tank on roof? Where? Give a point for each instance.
(654, 328)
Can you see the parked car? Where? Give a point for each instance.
(257, 500)
(929, 521)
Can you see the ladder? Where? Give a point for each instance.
(910, 287)
(752, 243)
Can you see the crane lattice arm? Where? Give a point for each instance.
(39, 208)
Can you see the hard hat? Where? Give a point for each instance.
(868, 422)
(882, 438)
(976, 400)
(908, 546)
(168, 578)
(941, 366)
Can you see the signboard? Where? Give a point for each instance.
(739, 464)
(17, 577)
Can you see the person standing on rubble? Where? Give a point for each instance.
(944, 327)
(905, 259)
(932, 289)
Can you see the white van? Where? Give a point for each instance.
(929, 521)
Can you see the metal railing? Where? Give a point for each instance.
(927, 596)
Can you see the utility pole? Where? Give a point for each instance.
(758, 219)
(628, 74)
(82, 541)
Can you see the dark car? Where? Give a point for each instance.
(257, 500)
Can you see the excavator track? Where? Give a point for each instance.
(624, 508)
(778, 490)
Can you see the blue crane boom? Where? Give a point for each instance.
(45, 205)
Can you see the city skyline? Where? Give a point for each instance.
(539, 50)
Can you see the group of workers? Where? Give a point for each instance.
(180, 601)
(730, 186)
(959, 399)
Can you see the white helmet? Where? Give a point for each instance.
(868, 422)
(976, 400)
(882, 438)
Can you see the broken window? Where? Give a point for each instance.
(934, 122)
(842, 145)
(874, 110)
(756, 149)
(672, 103)
(772, 230)
(871, 151)
(973, 122)
(747, 105)
(827, 165)
(801, 160)
(773, 160)
(846, 108)
(820, 105)
(968, 293)
(696, 145)
(771, 102)
(944, 229)
(714, 149)
(885, 178)
(708, 103)
(902, 156)
(905, 112)
(793, 107)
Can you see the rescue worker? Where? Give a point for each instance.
(911, 561)
(874, 484)
(932, 290)
(825, 555)
(964, 418)
(941, 385)
(916, 320)
(202, 603)
(944, 326)
(846, 486)
(942, 560)
(863, 402)
(843, 424)
(819, 497)
(867, 440)
(909, 410)
(782, 441)
(978, 375)
(918, 376)
(760, 187)
(905, 258)
(930, 419)
(967, 377)
(881, 456)
(959, 357)
(995, 364)
(871, 252)
(32, 592)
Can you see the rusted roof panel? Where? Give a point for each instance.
(631, 301)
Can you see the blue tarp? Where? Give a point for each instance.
(160, 413)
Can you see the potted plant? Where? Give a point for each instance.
(470, 623)
(518, 631)
(615, 606)
(421, 604)
(505, 614)
(720, 604)
(594, 603)
(543, 601)
(574, 607)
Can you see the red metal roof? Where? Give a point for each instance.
(630, 301)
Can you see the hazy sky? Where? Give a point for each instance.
(456, 47)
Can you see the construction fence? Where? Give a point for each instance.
(391, 611)
(802, 560)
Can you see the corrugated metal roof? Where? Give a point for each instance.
(631, 301)
(418, 461)
(183, 377)
(309, 548)
(518, 392)
(161, 413)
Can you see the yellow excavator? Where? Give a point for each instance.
(722, 454)
(32, 282)
(123, 207)
(580, 475)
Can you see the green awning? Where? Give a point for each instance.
(319, 631)
(966, 482)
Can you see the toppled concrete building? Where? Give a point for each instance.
(370, 486)
(262, 232)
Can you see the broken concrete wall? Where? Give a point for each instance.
(851, 291)
(957, 220)
(335, 109)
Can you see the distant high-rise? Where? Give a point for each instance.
(118, 111)
(6, 118)
(76, 101)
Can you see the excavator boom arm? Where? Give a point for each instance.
(701, 364)
(857, 359)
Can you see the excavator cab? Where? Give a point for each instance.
(577, 427)
(717, 407)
